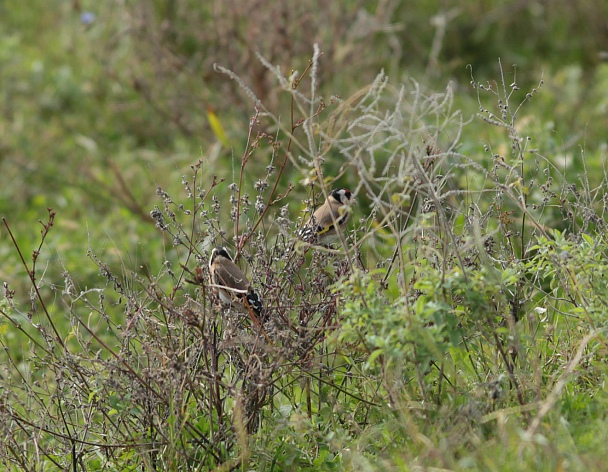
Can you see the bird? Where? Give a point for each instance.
(325, 221)
(231, 284)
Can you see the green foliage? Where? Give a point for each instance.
(395, 332)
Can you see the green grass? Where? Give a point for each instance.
(460, 325)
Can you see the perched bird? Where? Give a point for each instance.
(324, 223)
(231, 284)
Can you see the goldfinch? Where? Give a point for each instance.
(231, 285)
(328, 218)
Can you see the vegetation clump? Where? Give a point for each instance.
(456, 320)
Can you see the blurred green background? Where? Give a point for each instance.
(103, 102)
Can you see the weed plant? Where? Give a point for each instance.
(459, 322)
